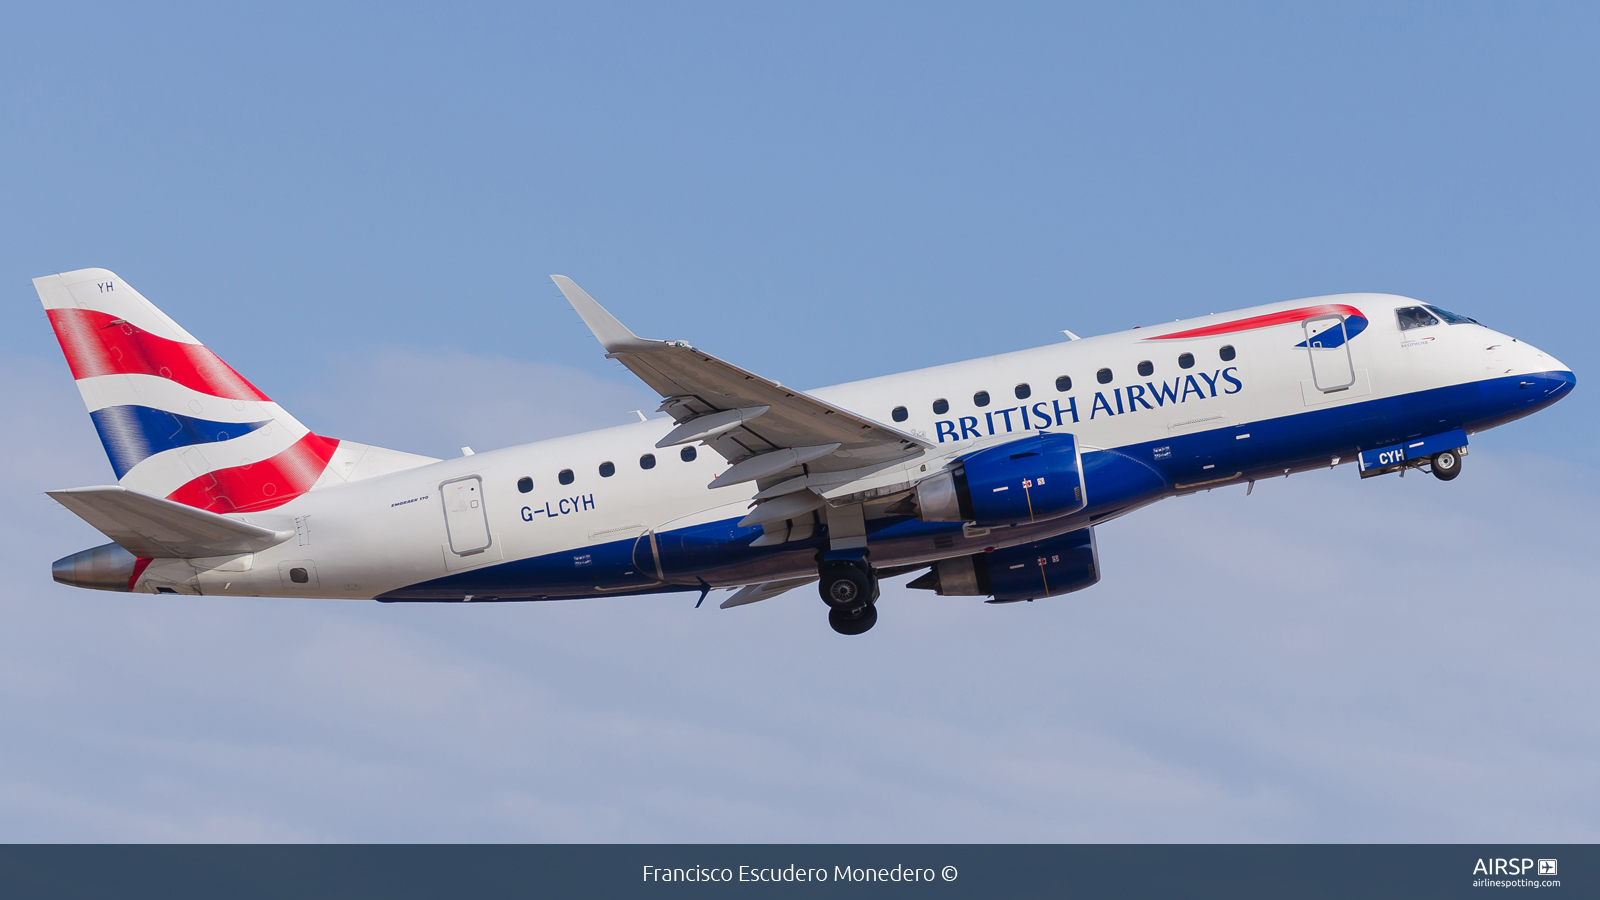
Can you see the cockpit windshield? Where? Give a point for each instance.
(1452, 318)
(1414, 317)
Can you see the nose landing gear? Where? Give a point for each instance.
(1446, 464)
(850, 589)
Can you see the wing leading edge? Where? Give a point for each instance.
(766, 430)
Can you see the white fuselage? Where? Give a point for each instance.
(370, 537)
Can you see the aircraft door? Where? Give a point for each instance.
(465, 519)
(1329, 347)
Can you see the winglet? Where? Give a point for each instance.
(613, 335)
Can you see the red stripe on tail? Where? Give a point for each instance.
(263, 485)
(98, 343)
(139, 565)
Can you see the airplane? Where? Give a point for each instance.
(989, 477)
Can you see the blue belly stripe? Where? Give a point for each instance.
(1116, 480)
(132, 434)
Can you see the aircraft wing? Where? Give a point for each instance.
(150, 527)
(762, 427)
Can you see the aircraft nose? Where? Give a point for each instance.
(1549, 386)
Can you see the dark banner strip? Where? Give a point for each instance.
(798, 870)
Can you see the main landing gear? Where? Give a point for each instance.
(850, 589)
(1446, 464)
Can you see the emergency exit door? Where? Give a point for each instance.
(1329, 346)
(465, 519)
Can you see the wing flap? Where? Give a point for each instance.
(153, 528)
(708, 426)
(756, 593)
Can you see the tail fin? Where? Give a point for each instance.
(176, 421)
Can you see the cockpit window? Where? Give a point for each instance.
(1452, 318)
(1414, 317)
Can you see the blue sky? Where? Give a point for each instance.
(358, 207)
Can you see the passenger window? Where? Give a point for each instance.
(1414, 317)
(1064, 383)
(647, 461)
(1103, 376)
(900, 414)
(607, 469)
(941, 406)
(1146, 369)
(299, 575)
(524, 484)
(687, 454)
(1452, 318)
(565, 477)
(1186, 360)
(1023, 392)
(1227, 353)
(981, 398)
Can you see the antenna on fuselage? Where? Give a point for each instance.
(1070, 335)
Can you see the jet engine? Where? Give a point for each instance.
(1032, 479)
(1047, 568)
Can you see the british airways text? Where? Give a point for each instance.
(1055, 413)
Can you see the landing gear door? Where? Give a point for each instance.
(1329, 348)
(465, 519)
(647, 557)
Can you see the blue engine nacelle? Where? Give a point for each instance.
(1047, 568)
(1028, 480)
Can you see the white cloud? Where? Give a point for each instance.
(46, 815)
(1325, 660)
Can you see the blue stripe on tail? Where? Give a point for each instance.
(132, 434)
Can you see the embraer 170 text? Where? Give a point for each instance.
(989, 474)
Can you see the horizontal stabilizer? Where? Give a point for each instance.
(153, 528)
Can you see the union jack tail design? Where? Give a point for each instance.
(177, 422)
